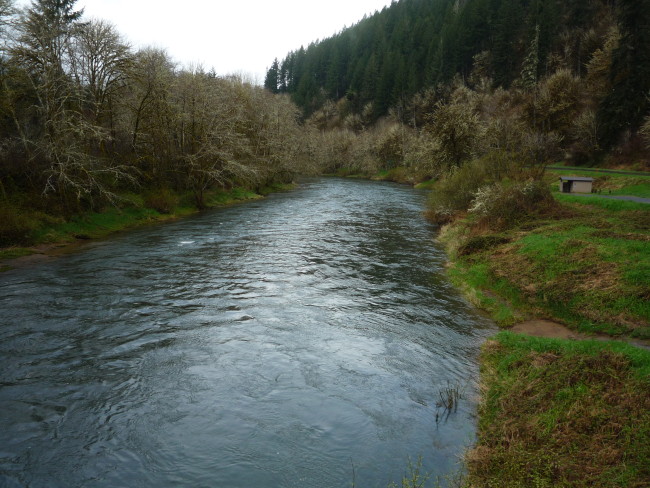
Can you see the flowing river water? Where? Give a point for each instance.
(297, 341)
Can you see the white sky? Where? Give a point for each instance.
(233, 36)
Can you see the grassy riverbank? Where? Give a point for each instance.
(585, 263)
(559, 413)
(35, 231)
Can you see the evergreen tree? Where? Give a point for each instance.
(271, 82)
(504, 58)
(529, 71)
(415, 44)
(628, 101)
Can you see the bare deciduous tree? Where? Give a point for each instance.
(100, 64)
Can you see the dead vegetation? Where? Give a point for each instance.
(562, 414)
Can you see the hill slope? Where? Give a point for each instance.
(413, 44)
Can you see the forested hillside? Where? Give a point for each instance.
(413, 45)
(423, 87)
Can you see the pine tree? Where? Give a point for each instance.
(503, 58)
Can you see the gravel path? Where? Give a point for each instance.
(597, 170)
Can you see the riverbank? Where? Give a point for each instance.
(585, 266)
(568, 407)
(562, 413)
(50, 237)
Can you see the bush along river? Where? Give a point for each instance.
(301, 340)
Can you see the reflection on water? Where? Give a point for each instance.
(279, 343)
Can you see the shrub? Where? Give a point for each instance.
(501, 205)
(16, 227)
(455, 191)
(163, 200)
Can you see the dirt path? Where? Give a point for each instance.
(547, 328)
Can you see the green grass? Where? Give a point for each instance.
(640, 190)
(132, 213)
(96, 225)
(426, 185)
(15, 252)
(605, 203)
(603, 276)
(494, 295)
(221, 198)
(562, 413)
(405, 175)
(588, 268)
(277, 188)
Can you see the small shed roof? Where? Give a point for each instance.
(576, 178)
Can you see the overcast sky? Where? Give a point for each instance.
(233, 36)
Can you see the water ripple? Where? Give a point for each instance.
(268, 344)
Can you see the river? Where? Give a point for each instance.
(297, 341)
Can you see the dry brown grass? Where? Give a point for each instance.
(561, 418)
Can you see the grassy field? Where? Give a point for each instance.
(560, 413)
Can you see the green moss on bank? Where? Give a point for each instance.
(15, 252)
(561, 413)
(31, 228)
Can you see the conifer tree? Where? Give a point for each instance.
(628, 101)
(531, 63)
(272, 77)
